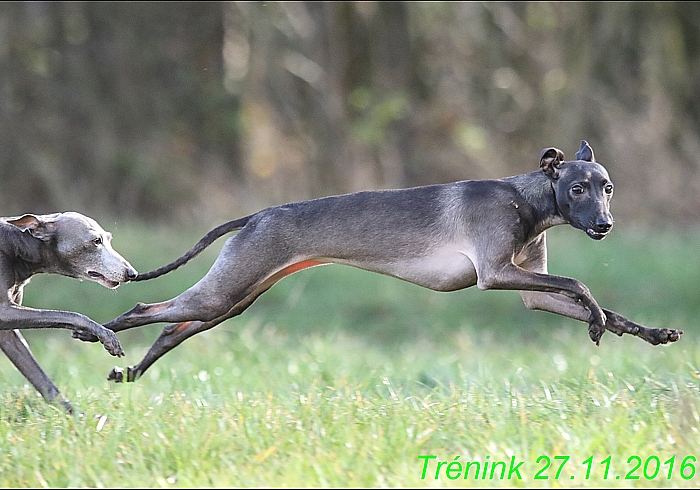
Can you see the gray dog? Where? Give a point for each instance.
(488, 233)
(68, 244)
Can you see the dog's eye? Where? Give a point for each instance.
(608, 188)
(97, 241)
(577, 189)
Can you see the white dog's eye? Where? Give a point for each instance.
(97, 241)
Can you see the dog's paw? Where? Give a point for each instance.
(116, 375)
(595, 332)
(666, 335)
(111, 344)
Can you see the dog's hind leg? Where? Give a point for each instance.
(175, 334)
(171, 336)
(248, 264)
(17, 350)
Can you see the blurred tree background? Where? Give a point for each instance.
(184, 111)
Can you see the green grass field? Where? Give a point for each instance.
(340, 377)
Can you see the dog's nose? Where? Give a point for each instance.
(131, 273)
(603, 225)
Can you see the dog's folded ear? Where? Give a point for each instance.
(585, 153)
(37, 226)
(550, 160)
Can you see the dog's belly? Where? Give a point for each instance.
(445, 269)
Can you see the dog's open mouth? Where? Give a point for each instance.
(108, 283)
(595, 235)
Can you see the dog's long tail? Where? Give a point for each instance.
(207, 240)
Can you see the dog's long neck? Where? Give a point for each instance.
(536, 189)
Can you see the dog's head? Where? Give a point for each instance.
(80, 247)
(582, 189)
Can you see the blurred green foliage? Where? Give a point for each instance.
(191, 112)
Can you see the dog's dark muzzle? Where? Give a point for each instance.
(600, 228)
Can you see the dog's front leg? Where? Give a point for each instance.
(615, 323)
(20, 317)
(619, 325)
(511, 276)
(16, 349)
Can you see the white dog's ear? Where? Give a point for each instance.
(550, 160)
(42, 229)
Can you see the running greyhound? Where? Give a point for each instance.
(68, 244)
(488, 233)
